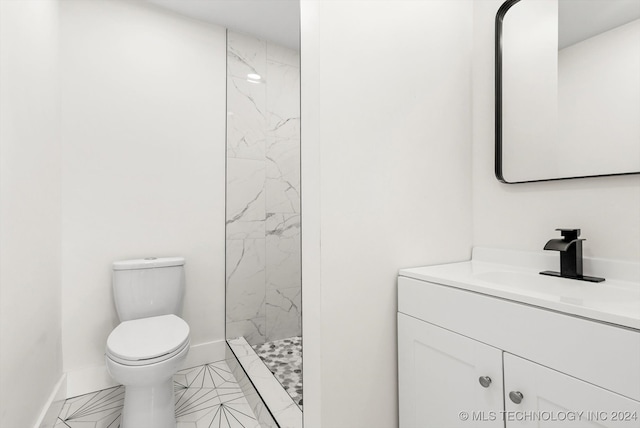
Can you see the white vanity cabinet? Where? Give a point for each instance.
(439, 371)
(570, 371)
(561, 400)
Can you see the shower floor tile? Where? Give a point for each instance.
(284, 358)
(206, 396)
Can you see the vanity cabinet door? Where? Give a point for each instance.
(551, 399)
(439, 378)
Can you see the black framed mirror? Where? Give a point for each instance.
(567, 89)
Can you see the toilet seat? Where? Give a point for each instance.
(147, 340)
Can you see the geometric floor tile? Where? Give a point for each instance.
(206, 396)
(284, 359)
(209, 396)
(99, 409)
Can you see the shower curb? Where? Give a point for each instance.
(279, 404)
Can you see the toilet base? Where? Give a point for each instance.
(149, 406)
(149, 400)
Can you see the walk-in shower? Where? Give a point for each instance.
(263, 274)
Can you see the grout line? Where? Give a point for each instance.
(89, 403)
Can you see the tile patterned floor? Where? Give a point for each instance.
(206, 396)
(284, 359)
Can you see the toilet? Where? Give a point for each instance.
(151, 342)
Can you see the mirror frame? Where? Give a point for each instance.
(498, 106)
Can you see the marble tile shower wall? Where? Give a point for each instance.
(263, 190)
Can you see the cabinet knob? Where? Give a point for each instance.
(485, 381)
(516, 396)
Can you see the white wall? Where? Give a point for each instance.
(599, 103)
(524, 216)
(143, 131)
(386, 152)
(30, 302)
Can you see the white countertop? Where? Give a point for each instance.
(514, 275)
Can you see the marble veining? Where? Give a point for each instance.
(254, 329)
(283, 310)
(283, 225)
(246, 292)
(245, 54)
(263, 190)
(245, 199)
(246, 119)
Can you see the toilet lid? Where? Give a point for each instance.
(147, 338)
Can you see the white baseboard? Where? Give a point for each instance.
(89, 379)
(204, 353)
(51, 409)
(96, 378)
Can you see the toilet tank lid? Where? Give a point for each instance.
(148, 263)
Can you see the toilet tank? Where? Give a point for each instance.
(148, 287)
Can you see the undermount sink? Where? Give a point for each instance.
(516, 276)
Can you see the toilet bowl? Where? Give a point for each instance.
(143, 355)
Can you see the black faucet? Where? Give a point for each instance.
(570, 247)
